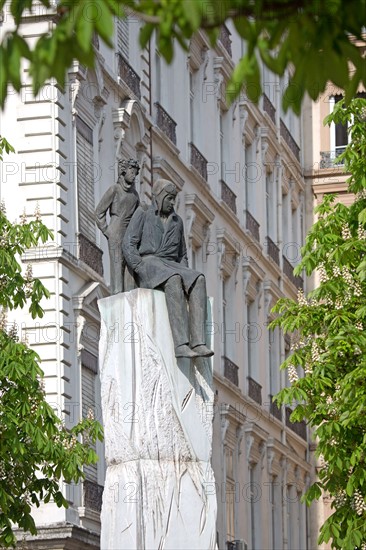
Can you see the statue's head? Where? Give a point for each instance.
(163, 189)
(128, 169)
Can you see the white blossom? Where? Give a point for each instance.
(358, 503)
(323, 276)
(301, 298)
(23, 218)
(346, 233)
(315, 352)
(292, 374)
(37, 213)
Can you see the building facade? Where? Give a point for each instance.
(242, 196)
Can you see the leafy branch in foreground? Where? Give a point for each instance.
(314, 39)
(37, 452)
(327, 368)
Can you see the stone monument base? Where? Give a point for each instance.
(157, 411)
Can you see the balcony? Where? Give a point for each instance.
(288, 270)
(269, 108)
(274, 409)
(225, 38)
(198, 161)
(254, 390)
(273, 251)
(289, 140)
(165, 122)
(129, 76)
(95, 40)
(228, 196)
(90, 254)
(93, 494)
(231, 371)
(298, 428)
(252, 225)
(328, 159)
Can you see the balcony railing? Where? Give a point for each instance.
(275, 410)
(269, 108)
(328, 159)
(95, 40)
(90, 254)
(289, 140)
(198, 161)
(252, 225)
(254, 390)
(129, 76)
(93, 494)
(231, 371)
(225, 39)
(165, 122)
(273, 251)
(298, 428)
(228, 196)
(288, 270)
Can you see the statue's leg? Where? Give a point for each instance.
(178, 316)
(115, 256)
(197, 301)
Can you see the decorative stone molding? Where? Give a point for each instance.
(121, 123)
(264, 144)
(162, 169)
(87, 323)
(199, 219)
(76, 76)
(252, 274)
(198, 44)
(256, 439)
(225, 422)
(222, 72)
(275, 455)
(243, 113)
(228, 252)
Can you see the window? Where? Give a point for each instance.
(274, 361)
(252, 177)
(275, 499)
(271, 207)
(122, 36)
(85, 177)
(339, 132)
(230, 495)
(252, 335)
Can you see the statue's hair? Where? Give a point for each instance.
(130, 163)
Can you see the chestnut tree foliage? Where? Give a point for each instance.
(37, 452)
(315, 39)
(327, 368)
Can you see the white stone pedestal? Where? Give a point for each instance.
(159, 491)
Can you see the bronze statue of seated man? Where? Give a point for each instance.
(154, 248)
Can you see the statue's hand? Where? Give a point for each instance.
(141, 270)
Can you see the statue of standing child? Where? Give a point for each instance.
(120, 202)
